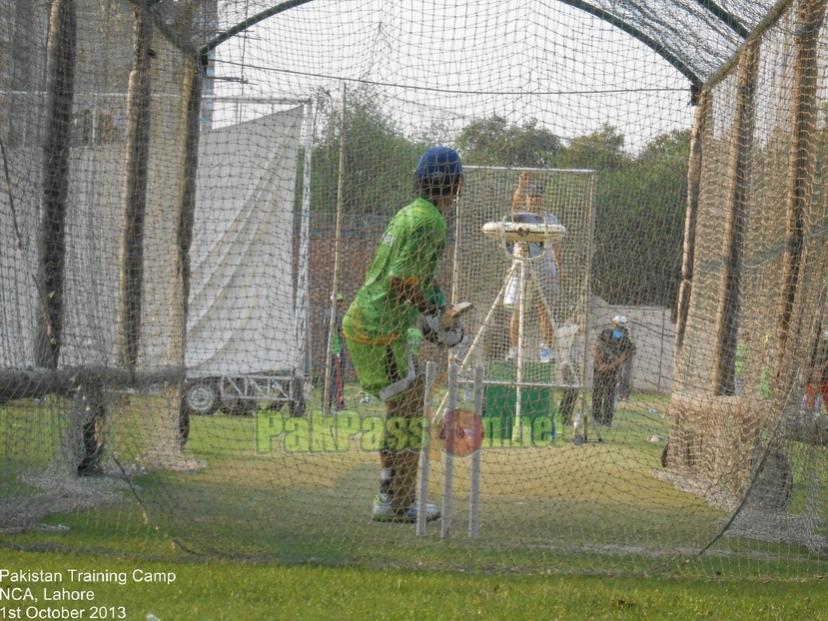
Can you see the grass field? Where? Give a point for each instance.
(204, 591)
(277, 526)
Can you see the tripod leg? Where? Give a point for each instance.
(438, 411)
(488, 318)
(517, 428)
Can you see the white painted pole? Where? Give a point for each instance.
(474, 493)
(448, 460)
(517, 432)
(302, 303)
(422, 484)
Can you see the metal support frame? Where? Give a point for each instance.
(718, 12)
(272, 388)
(247, 23)
(657, 47)
(726, 17)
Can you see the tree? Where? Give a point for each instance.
(671, 146)
(601, 150)
(493, 141)
(379, 159)
(639, 223)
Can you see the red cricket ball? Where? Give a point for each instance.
(461, 432)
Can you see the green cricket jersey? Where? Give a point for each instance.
(410, 250)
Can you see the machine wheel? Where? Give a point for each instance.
(201, 397)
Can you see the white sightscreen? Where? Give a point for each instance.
(241, 314)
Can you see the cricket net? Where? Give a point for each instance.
(195, 193)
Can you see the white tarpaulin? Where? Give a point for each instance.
(242, 316)
(19, 201)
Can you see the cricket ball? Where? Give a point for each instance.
(461, 432)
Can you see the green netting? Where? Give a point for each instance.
(189, 188)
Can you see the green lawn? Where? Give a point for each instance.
(206, 590)
(554, 509)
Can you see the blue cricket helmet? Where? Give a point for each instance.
(439, 167)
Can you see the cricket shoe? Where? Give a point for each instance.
(382, 511)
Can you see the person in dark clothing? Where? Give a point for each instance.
(569, 394)
(612, 348)
(626, 380)
(336, 400)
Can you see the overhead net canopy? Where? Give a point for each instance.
(196, 193)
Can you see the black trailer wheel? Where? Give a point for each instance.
(202, 397)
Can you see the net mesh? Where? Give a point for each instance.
(227, 258)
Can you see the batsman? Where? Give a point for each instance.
(400, 292)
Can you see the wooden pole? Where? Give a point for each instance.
(182, 218)
(738, 180)
(326, 388)
(186, 214)
(30, 383)
(801, 162)
(173, 430)
(52, 241)
(135, 193)
(691, 217)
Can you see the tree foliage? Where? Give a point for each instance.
(601, 150)
(378, 160)
(494, 141)
(639, 199)
(640, 206)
